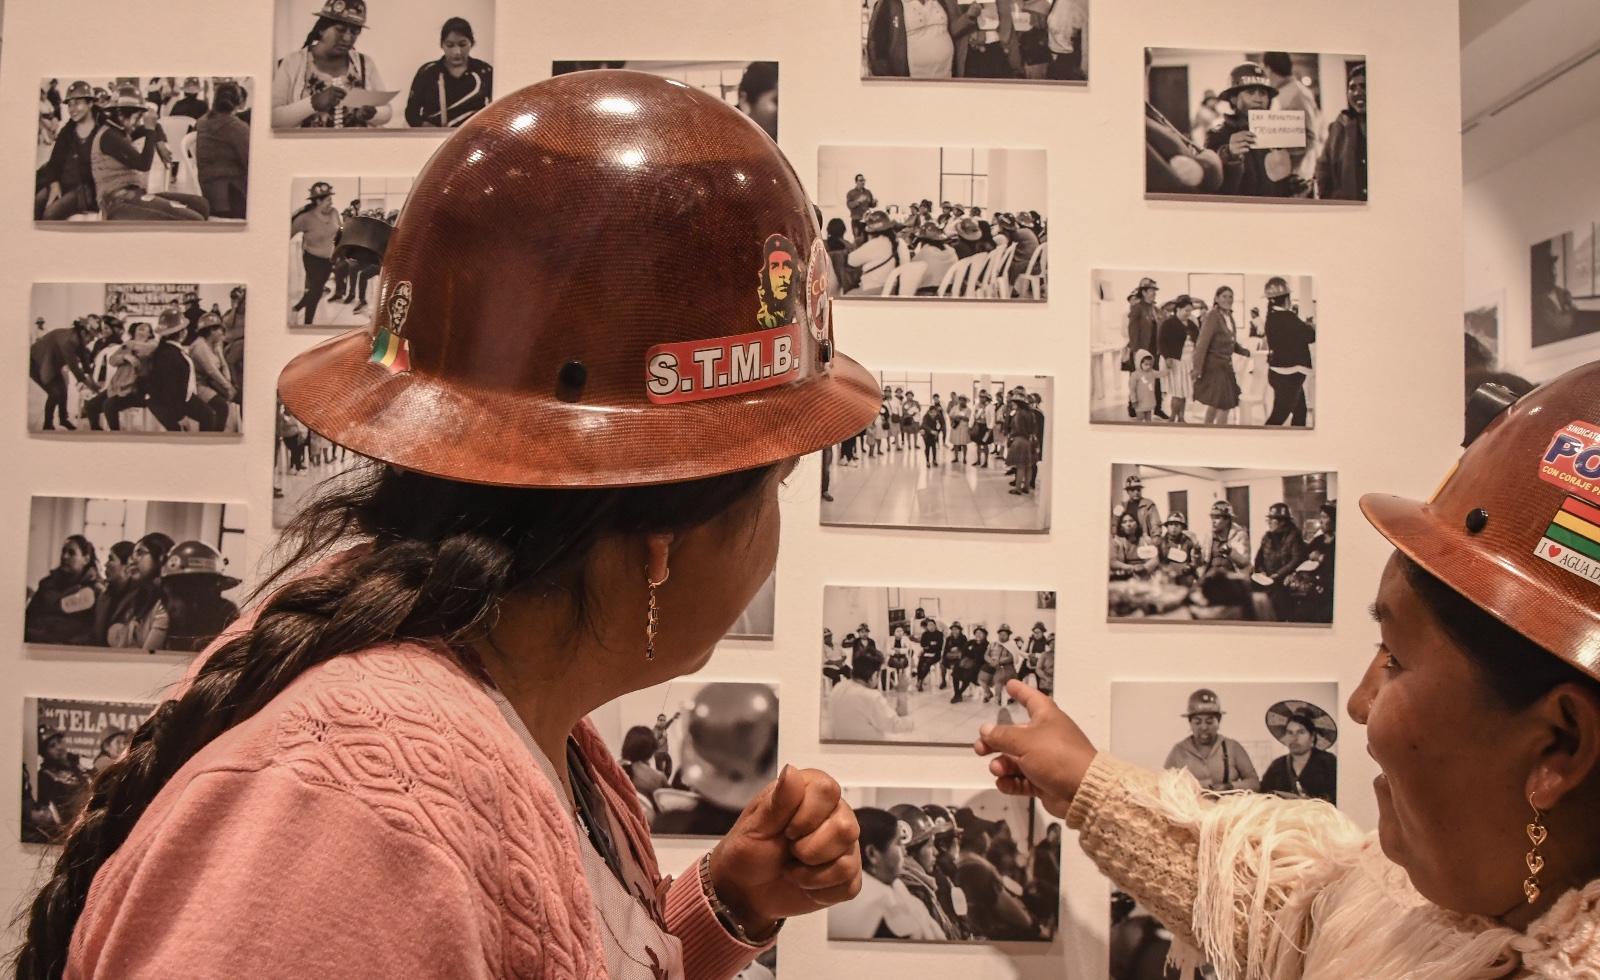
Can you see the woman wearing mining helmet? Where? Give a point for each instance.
(384, 768)
(1482, 706)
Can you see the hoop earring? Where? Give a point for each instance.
(653, 620)
(1537, 833)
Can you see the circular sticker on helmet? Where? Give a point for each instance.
(818, 305)
(904, 830)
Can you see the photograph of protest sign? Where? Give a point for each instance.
(696, 751)
(749, 86)
(139, 576)
(64, 744)
(1196, 544)
(136, 357)
(1230, 349)
(951, 866)
(391, 65)
(135, 148)
(920, 665)
(1286, 126)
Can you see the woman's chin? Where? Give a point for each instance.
(1388, 829)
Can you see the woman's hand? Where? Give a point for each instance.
(1046, 758)
(792, 851)
(328, 99)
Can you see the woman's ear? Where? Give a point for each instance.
(658, 547)
(1570, 715)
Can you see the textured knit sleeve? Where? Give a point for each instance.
(709, 951)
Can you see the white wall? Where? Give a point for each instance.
(1389, 274)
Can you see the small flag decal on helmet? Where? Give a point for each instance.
(388, 347)
(1572, 541)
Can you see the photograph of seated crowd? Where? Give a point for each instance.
(1204, 348)
(1275, 738)
(922, 666)
(130, 148)
(64, 744)
(986, 240)
(142, 576)
(951, 866)
(322, 80)
(749, 86)
(987, 40)
(946, 451)
(338, 232)
(136, 357)
(1275, 125)
(697, 752)
(1165, 568)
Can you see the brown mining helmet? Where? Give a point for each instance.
(1515, 527)
(607, 278)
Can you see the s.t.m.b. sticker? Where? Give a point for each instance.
(694, 370)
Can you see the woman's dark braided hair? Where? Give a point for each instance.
(438, 556)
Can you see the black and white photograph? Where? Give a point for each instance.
(385, 65)
(696, 751)
(1288, 126)
(951, 866)
(135, 148)
(932, 222)
(64, 744)
(139, 576)
(1019, 41)
(928, 666)
(1212, 545)
(136, 357)
(1203, 348)
(1564, 283)
(1275, 737)
(749, 86)
(302, 461)
(339, 229)
(947, 451)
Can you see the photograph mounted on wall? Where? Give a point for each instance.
(64, 744)
(951, 866)
(749, 86)
(1255, 126)
(345, 64)
(1021, 41)
(137, 148)
(1203, 348)
(1195, 544)
(139, 576)
(947, 451)
(935, 222)
(339, 230)
(927, 666)
(136, 357)
(1564, 282)
(696, 751)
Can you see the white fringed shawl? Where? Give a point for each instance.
(1318, 901)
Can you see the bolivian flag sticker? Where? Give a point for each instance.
(389, 348)
(1572, 541)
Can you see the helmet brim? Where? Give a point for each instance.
(509, 437)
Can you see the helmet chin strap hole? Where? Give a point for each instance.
(570, 381)
(1477, 520)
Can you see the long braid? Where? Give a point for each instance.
(438, 558)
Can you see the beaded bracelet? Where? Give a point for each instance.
(724, 914)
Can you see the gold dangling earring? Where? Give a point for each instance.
(1537, 833)
(653, 620)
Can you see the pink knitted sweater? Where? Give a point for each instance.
(378, 819)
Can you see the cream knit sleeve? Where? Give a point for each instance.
(1233, 876)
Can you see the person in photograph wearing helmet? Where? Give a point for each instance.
(192, 583)
(946, 865)
(1482, 710)
(574, 496)
(1282, 550)
(876, 258)
(1180, 554)
(1144, 321)
(916, 871)
(122, 171)
(1229, 550)
(191, 104)
(1218, 763)
(1247, 171)
(1289, 341)
(1141, 507)
(310, 83)
(317, 223)
(66, 180)
(885, 908)
(730, 752)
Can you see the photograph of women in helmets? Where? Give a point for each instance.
(1270, 361)
(178, 151)
(70, 742)
(1260, 548)
(142, 576)
(749, 86)
(951, 866)
(339, 229)
(1482, 712)
(1283, 126)
(327, 54)
(406, 704)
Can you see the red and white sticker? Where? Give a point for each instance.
(720, 367)
(1572, 461)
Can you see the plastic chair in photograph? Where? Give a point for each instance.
(188, 181)
(956, 277)
(906, 280)
(1032, 278)
(995, 284)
